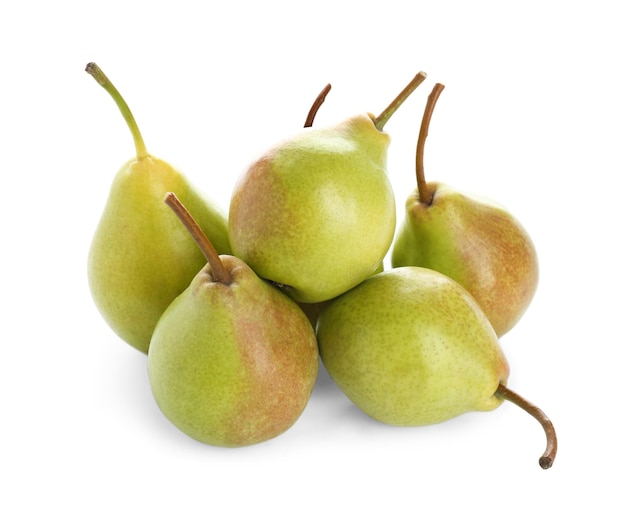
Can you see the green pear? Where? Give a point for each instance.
(316, 213)
(412, 347)
(425, 328)
(141, 257)
(233, 360)
(475, 241)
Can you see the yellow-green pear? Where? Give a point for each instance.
(411, 347)
(233, 360)
(316, 213)
(141, 257)
(475, 241)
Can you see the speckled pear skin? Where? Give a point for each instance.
(141, 257)
(232, 365)
(475, 242)
(316, 213)
(410, 347)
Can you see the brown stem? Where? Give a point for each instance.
(382, 119)
(316, 106)
(220, 274)
(425, 195)
(547, 458)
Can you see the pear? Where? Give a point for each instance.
(475, 241)
(412, 347)
(316, 213)
(141, 257)
(233, 360)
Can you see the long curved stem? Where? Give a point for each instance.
(95, 71)
(220, 273)
(385, 115)
(546, 460)
(319, 100)
(425, 195)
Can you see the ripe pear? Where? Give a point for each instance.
(412, 347)
(316, 213)
(233, 360)
(141, 257)
(475, 241)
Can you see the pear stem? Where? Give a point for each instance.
(220, 273)
(548, 456)
(425, 196)
(386, 114)
(319, 100)
(102, 79)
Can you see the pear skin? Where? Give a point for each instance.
(410, 347)
(232, 365)
(316, 213)
(475, 242)
(313, 310)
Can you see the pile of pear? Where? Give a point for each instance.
(236, 310)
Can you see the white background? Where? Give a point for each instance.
(532, 116)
